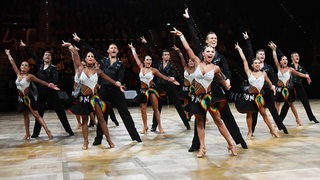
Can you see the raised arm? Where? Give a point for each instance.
(75, 55)
(183, 61)
(135, 55)
(273, 47)
(86, 46)
(244, 60)
(194, 34)
(31, 53)
(149, 49)
(249, 45)
(185, 44)
(11, 60)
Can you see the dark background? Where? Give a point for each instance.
(292, 25)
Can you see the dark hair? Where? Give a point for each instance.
(210, 32)
(208, 45)
(47, 51)
(260, 50)
(165, 50)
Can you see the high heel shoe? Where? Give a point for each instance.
(111, 145)
(50, 136)
(144, 131)
(249, 135)
(202, 152)
(233, 150)
(26, 137)
(299, 122)
(85, 145)
(161, 131)
(274, 134)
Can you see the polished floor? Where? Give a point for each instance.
(160, 156)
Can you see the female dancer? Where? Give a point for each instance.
(88, 99)
(188, 87)
(285, 90)
(256, 80)
(146, 89)
(26, 101)
(202, 100)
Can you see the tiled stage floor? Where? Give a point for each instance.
(292, 156)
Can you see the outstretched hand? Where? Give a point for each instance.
(186, 14)
(272, 45)
(122, 88)
(66, 44)
(7, 51)
(308, 79)
(237, 47)
(76, 37)
(53, 86)
(143, 40)
(174, 81)
(245, 35)
(175, 48)
(131, 46)
(176, 32)
(22, 44)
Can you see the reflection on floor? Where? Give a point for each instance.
(292, 156)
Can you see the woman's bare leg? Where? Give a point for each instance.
(103, 124)
(85, 132)
(154, 103)
(143, 108)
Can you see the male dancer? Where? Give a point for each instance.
(268, 94)
(166, 88)
(300, 91)
(47, 72)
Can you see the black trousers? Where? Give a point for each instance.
(111, 114)
(303, 97)
(117, 99)
(270, 104)
(227, 118)
(172, 93)
(51, 98)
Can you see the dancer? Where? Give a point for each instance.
(285, 91)
(47, 72)
(268, 94)
(188, 86)
(256, 80)
(89, 101)
(147, 90)
(113, 67)
(300, 91)
(26, 101)
(165, 88)
(221, 61)
(202, 99)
